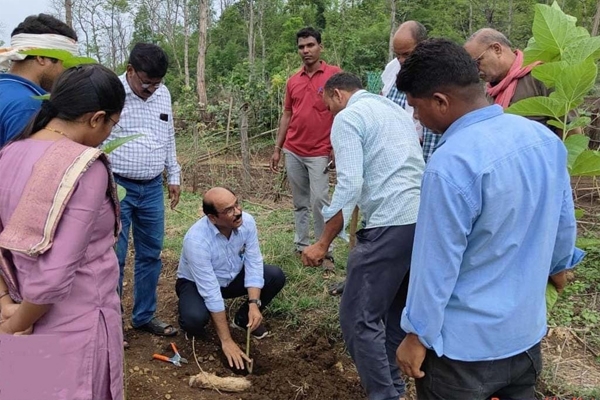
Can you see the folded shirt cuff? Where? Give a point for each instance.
(215, 306)
(251, 282)
(408, 327)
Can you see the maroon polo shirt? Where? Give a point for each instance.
(310, 125)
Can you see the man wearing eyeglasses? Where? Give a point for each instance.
(221, 259)
(508, 79)
(138, 167)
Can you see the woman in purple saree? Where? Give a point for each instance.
(58, 223)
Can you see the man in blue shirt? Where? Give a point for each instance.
(221, 259)
(30, 76)
(496, 200)
(379, 166)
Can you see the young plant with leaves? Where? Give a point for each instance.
(569, 55)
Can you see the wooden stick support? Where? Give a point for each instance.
(249, 364)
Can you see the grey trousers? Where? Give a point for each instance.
(310, 191)
(371, 306)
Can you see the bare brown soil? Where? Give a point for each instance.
(288, 366)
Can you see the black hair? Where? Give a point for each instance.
(437, 64)
(44, 23)
(208, 208)
(343, 81)
(77, 91)
(149, 58)
(488, 36)
(307, 32)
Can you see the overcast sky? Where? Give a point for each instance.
(12, 12)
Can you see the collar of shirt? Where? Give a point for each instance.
(25, 82)
(216, 232)
(355, 96)
(321, 68)
(129, 92)
(471, 118)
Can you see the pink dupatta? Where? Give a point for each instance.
(33, 224)
(503, 92)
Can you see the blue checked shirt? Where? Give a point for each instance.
(378, 160)
(146, 157)
(430, 139)
(212, 261)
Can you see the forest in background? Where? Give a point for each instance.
(226, 54)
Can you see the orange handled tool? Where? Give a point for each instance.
(176, 359)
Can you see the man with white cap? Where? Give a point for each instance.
(30, 75)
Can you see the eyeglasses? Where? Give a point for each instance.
(116, 127)
(146, 85)
(478, 59)
(230, 211)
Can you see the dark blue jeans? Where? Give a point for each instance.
(143, 210)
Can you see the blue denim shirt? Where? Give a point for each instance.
(496, 219)
(212, 261)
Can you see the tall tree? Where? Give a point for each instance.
(392, 28)
(201, 64)
(69, 12)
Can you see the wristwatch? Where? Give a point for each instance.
(255, 301)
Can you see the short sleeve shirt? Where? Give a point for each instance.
(310, 125)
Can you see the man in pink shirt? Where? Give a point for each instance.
(303, 136)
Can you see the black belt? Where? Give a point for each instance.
(137, 181)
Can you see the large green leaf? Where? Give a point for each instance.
(551, 296)
(75, 61)
(576, 144)
(575, 82)
(579, 213)
(68, 59)
(587, 164)
(553, 29)
(548, 72)
(583, 49)
(121, 192)
(536, 52)
(51, 53)
(539, 106)
(115, 143)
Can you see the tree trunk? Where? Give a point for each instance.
(510, 18)
(251, 35)
(392, 29)
(596, 20)
(201, 82)
(247, 177)
(263, 46)
(186, 43)
(69, 12)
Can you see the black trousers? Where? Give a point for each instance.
(193, 314)
(372, 303)
(510, 378)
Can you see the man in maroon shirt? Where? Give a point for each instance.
(303, 136)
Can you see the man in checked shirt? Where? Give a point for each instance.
(406, 38)
(138, 166)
